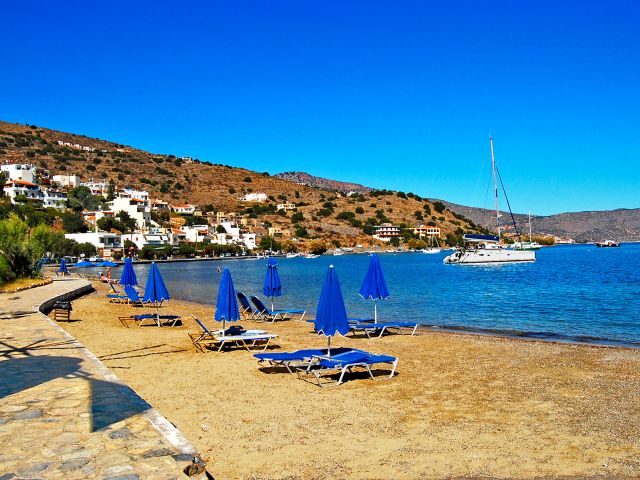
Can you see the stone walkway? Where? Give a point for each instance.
(63, 414)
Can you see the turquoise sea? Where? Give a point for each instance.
(571, 293)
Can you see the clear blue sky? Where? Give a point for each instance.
(399, 95)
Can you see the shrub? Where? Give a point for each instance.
(247, 179)
(297, 217)
(359, 210)
(439, 207)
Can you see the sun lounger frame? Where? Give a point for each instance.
(209, 338)
(382, 327)
(344, 366)
(263, 313)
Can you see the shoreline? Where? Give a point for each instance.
(460, 406)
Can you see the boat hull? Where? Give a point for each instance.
(490, 256)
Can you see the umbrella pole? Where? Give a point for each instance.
(328, 346)
(224, 326)
(157, 314)
(375, 312)
(272, 304)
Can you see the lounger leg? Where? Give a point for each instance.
(382, 331)
(414, 329)
(303, 314)
(393, 369)
(343, 371)
(266, 345)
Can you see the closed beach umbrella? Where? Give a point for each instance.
(155, 291)
(226, 304)
(85, 264)
(128, 276)
(63, 267)
(331, 316)
(272, 286)
(374, 287)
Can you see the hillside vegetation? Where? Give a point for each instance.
(322, 213)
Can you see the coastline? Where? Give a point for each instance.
(461, 405)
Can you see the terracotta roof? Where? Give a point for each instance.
(180, 232)
(183, 205)
(22, 182)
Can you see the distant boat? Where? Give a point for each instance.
(431, 250)
(487, 248)
(338, 252)
(311, 255)
(608, 243)
(530, 245)
(292, 255)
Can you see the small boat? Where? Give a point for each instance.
(607, 243)
(338, 252)
(431, 250)
(311, 255)
(530, 245)
(292, 255)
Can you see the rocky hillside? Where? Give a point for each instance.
(622, 224)
(302, 178)
(324, 213)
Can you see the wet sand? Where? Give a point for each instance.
(461, 405)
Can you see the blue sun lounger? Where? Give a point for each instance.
(378, 329)
(291, 360)
(345, 362)
(218, 338)
(265, 314)
(246, 308)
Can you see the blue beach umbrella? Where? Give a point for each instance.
(106, 263)
(226, 304)
(63, 267)
(374, 287)
(155, 291)
(272, 286)
(84, 264)
(128, 276)
(331, 316)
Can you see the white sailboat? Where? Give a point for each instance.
(487, 248)
(530, 245)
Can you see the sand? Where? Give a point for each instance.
(461, 405)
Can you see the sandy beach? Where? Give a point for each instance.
(461, 405)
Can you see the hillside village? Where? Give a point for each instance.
(159, 204)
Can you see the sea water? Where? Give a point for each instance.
(574, 293)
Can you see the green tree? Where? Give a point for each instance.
(81, 198)
(18, 258)
(297, 217)
(3, 180)
(73, 223)
(221, 229)
(111, 190)
(186, 250)
(269, 243)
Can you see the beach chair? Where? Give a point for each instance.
(133, 297)
(246, 309)
(378, 329)
(344, 363)
(159, 320)
(272, 315)
(293, 360)
(247, 339)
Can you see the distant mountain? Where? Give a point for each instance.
(622, 224)
(303, 178)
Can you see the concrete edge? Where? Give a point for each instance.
(169, 431)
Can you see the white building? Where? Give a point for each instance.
(254, 197)
(234, 236)
(197, 233)
(54, 198)
(105, 242)
(184, 208)
(14, 188)
(67, 180)
(286, 206)
(427, 231)
(386, 232)
(19, 171)
(97, 188)
(137, 209)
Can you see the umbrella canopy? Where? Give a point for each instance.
(106, 263)
(374, 287)
(226, 304)
(128, 276)
(272, 286)
(155, 291)
(85, 264)
(331, 316)
(63, 266)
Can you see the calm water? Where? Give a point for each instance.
(574, 293)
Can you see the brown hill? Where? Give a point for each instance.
(327, 215)
(302, 178)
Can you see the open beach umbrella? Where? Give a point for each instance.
(155, 291)
(226, 304)
(84, 264)
(331, 316)
(63, 267)
(272, 286)
(374, 286)
(128, 276)
(106, 263)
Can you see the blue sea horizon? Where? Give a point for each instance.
(576, 293)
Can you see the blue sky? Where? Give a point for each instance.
(399, 95)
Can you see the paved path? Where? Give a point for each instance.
(63, 414)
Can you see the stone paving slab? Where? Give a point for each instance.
(63, 414)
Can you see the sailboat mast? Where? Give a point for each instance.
(529, 227)
(495, 187)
